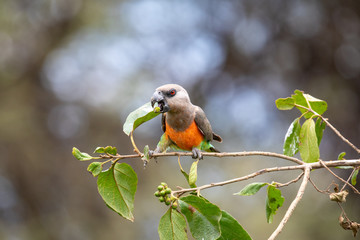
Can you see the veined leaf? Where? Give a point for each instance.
(117, 187)
(108, 149)
(308, 101)
(111, 150)
(193, 174)
(274, 201)
(354, 176)
(139, 116)
(285, 103)
(309, 149)
(251, 189)
(341, 156)
(99, 150)
(203, 217)
(231, 229)
(81, 155)
(172, 226)
(319, 129)
(95, 168)
(291, 142)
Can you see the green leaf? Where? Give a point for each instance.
(110, 150)
(285, 103)
(193, 174)
(81, 155)
(231, 229)
(99, 150)
(299, 99)
(185, 175)
(344, 167)
(95, 168)
(319, 129)
(309, 149)
(354, 176)
(139, 116)
(274, 201)
(341, 156)
(203, 217)
(318, 105)
(146, 156)
(172, 226)
(251, 189)
(291, 142)
(117, 187)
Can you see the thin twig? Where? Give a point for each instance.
(290, 182)
(332, 127)
(348, 180)
(317, 189)
(314, 165)
(351, 186)
(294, 203)
(252, 175)
(326, 191)
(343, 212)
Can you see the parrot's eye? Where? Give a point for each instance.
(172, 92)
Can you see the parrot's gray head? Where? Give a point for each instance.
(170, 98)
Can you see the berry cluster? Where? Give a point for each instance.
(164, 195)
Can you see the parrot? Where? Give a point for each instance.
(185, 125)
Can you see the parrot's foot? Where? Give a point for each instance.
(151, 154)
(196, 154)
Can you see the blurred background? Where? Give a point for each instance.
(72, 70)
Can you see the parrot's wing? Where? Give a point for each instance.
(204, 125)
(163, 122)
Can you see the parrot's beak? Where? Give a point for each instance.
(158, 97)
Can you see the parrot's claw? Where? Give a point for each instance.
(196, 154)
(151, 154)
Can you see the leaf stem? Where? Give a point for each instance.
(134, 145)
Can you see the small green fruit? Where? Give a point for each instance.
(157, 194)
(163, 184)
(168, 191)
(161, 199)
(174, 205)
(156, 109)
(160, 187)
(163, 193)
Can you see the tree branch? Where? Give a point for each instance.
(345, 182)
(294, 203)
(314, 165)
(212, 154)
(332, 127)
(290, 182)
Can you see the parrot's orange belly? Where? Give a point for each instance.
(187, 139)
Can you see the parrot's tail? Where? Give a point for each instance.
(217, 137)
